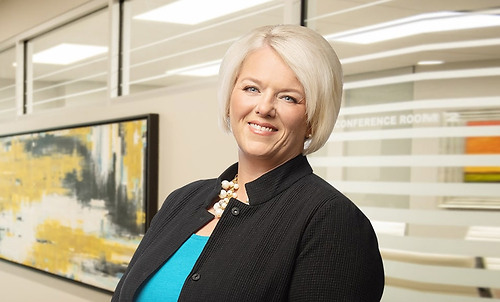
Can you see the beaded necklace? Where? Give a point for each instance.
(227, 192)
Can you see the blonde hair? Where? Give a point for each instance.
(313, 61)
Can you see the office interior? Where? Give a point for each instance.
(416, 145)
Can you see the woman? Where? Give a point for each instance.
(267, 229)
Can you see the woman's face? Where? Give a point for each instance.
(268, 109)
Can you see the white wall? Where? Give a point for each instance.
(191, 146)
(17, 16)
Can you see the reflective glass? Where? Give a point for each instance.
(7, 83)
(70, 64)
(171, 43)
(417, 143)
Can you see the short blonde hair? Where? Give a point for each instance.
(313, 61)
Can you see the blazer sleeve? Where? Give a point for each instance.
(339, 259)
(165, 212)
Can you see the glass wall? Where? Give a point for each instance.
(68, 66)
(135, 45)
(417, 144)
(168, 43)
(7, 83)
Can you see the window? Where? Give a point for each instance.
(69, 65)
(417, 144)
(7, 83)
(168, 43)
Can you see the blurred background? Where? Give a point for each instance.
(416, 146)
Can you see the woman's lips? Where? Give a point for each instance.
(262, 127)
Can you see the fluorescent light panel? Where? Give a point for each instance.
(419, 24)
(199, 70)
(421, 48)
(192, 12)
(67, 53)
(430, 62)
(206, 71)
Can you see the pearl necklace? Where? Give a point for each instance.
(227, 192)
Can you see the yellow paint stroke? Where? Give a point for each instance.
(140, 217)
(83, 135)
(133, 163)
(60, 248)
(27, 178)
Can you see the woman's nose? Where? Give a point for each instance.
(266, 106)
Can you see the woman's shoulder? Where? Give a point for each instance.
(198, 184)
(322, 189)
(188, 191)
(328, 198)
(202, 185)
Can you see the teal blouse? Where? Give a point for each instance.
(166, 284)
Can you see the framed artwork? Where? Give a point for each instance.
(482, 145)
(483, 174)
(76, 201)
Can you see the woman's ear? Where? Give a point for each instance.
(309, 132)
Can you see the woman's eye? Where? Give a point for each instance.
(289, 99)
(251, 89)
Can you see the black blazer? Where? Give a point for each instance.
(298, 240)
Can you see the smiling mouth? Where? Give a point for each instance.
(262, 128)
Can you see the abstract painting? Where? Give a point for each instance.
(76, 201)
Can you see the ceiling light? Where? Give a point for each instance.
(430, 62)
(66, 53)
(421, 48)
(196, 11)
(206, 71)
(419, 24)
(199, 70)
